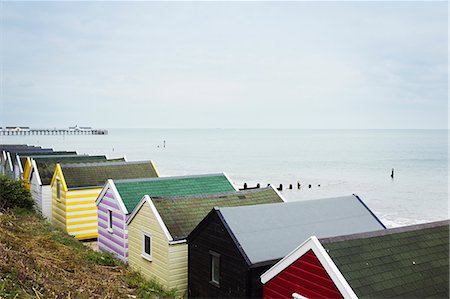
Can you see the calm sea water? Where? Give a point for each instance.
(341, 161)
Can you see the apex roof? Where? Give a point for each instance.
(403, 262)
(131, 191)
(182, 214)
(31, 151)
(82, 175)
(23, 157)
(7, 147)
(46, 164)
(268, 232)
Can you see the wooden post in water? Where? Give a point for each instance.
(392, 173)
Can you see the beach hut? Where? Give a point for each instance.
(232, 247)
(159, 226)
(39, 173)
(118, 199)
(75, 187)
(6, 167)
(13, 160)
(404, 262)
(23, 161)
(18, 166)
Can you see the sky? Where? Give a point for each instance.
(312, 65)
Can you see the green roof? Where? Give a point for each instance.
(54, 153)
(132, 191)
(83, 175)
(182, 214)
(46, 165)
(410, 262)
(23, 156)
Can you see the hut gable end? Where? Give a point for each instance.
(145, 222)
(212, 238)
(306, 277)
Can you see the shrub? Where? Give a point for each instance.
(100, 258)
(148, 288)
(13, 194)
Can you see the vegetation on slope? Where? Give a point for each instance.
(38, 260)
(13, 194)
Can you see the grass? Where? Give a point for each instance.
(38, 260)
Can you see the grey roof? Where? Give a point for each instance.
(17, 146)
(268, 232)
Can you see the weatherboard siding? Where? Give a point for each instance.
(145, 221)
(178, 267)
(76, 211)
(9, 169)
(115, 241)
(36, 191)
(234, 272)
(306, 276)
(46, 200)
(81, 213)
(17, 175)
(58, 207)
(26, 171)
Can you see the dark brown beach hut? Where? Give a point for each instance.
(232, 247)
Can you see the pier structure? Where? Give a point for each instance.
(68, 131)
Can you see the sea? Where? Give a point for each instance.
(326, 163)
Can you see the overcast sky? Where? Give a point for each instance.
(225, 64)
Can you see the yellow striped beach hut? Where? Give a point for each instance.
(75, 187)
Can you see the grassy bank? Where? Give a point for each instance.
(38, 260)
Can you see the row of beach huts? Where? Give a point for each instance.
(203, 236)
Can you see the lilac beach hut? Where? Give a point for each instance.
(118, 199)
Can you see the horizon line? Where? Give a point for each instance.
(230, 128)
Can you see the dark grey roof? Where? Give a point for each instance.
(30, 151)
(17, 146)
(405, 262)
(268, 232)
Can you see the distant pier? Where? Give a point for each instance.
(68, 131)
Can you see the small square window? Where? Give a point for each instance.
(147, 246)
(215, 268)
(110, 221)
(58, 189)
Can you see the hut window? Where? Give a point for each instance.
(110, 221)
(30, 175)
(58, 189)
(298, 296)
(147, 246)
(215, 268)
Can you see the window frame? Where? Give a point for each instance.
(30, 175)
(214, 263)
(298, 296)
(110, 221)
(144, 254)
(58, 189)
